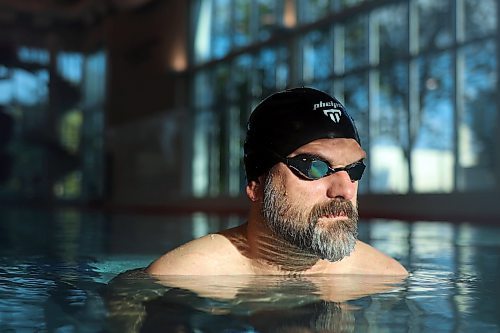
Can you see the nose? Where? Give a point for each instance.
(340, 186)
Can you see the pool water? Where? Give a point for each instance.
(69, 271)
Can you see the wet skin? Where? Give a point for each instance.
(253, 249)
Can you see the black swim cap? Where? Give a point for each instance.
(288, 119)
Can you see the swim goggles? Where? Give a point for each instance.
(313, 167)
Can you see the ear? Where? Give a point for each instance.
(254, 190)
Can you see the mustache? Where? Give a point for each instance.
(336, 207)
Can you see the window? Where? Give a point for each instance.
(419, 77)
(57, 146)
(389, 135)
(477, 132)
(432, 151)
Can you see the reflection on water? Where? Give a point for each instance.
(239, 303)
(59, 272)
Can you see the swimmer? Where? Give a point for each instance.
(303, 161)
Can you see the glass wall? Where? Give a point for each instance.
(419, 77)
(53, 103)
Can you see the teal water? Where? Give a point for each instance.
(69, 271)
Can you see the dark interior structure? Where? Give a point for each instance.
(141, 105)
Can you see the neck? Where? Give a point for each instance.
(273, 255)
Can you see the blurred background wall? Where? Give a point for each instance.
(143, 103)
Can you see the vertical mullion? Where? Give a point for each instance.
(497, 130)
(458, 72)
(295, 60)
(254, 21)
(373, 79)
(413, 93)
(338, 60)
(497, 106)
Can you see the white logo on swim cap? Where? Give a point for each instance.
(333, 114)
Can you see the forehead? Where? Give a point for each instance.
(335, 150)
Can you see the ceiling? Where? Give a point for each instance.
(58, 11)
(38, 23)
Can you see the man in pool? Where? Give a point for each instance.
(303, 161)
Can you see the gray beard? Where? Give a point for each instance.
(332, 242)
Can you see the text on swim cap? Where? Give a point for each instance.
(325, 104)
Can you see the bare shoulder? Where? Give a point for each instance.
(212, 254)
(368, 260)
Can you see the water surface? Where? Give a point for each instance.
(69, 271)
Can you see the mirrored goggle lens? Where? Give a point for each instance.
(355, 172)
(317, 169)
